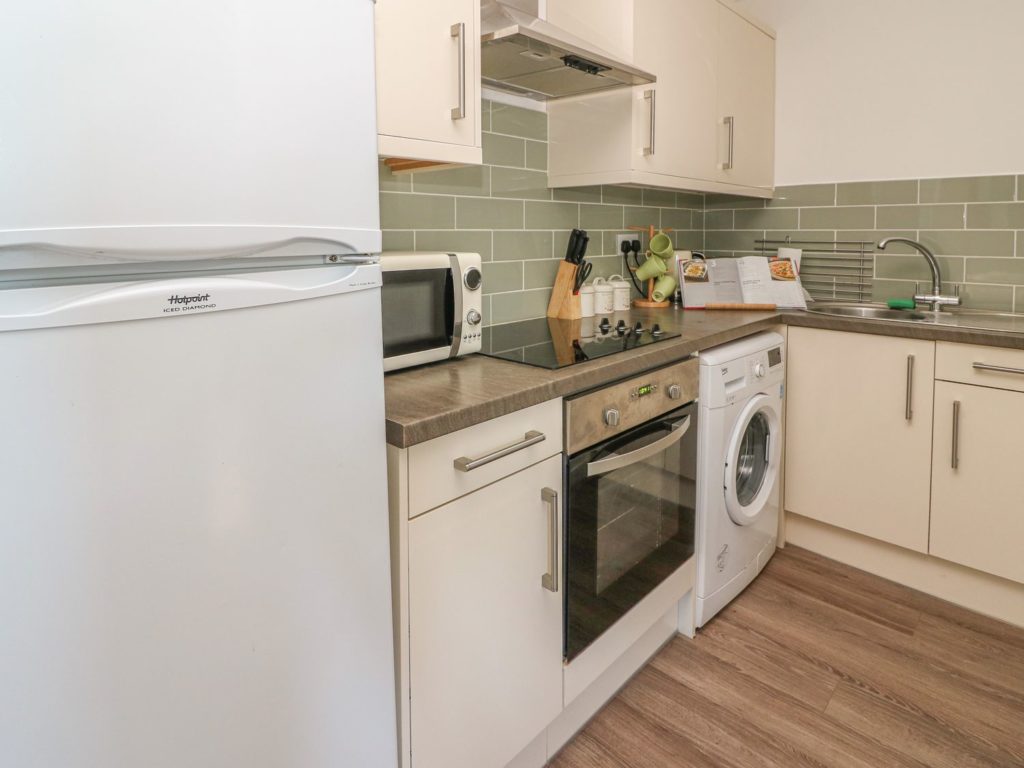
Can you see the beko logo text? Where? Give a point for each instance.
(189, 303)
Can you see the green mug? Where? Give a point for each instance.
(661, 246)
(652, 267)
(664, 287)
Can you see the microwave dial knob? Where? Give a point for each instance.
(473, 317)
(675, 392)
(611, 417)
(472, 278)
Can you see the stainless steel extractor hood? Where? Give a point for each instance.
(524, 54)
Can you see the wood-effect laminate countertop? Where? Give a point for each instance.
(434, 400)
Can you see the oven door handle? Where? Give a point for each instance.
(618, 461)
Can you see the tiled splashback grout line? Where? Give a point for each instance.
(504, 210)
(974, 226)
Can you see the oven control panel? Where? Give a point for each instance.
(605, 412)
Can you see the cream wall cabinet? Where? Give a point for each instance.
(606, 24)
(977, 484)
(859, 433)
(713, 101)
(428, 80)
(476, 589)
(746, 102)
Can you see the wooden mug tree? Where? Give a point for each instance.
(648, 301)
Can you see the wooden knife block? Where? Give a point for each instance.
(564, 303)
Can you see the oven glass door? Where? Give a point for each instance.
(630, 521)
(418, 308)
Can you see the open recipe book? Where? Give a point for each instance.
(744, 280)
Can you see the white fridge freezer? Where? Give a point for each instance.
(186, 129)
(193, 523)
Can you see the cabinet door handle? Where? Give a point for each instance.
(730, 122)
(997, 368)
(466, 464)
(909, 412)
(651, 96)
(550, 579)
(955, 463)
(459, 31)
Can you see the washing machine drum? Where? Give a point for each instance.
(752, 463)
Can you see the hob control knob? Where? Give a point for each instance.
(611, 417)
(472, 278)
(473, 317)
(656, 330)
(604, 325)
(759, 370)
(620, 326)
(638, 328)
(675, 392)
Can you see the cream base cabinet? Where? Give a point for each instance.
(428, 80)
(859, 433)
(485, 632)
(977, 483)
(711, 64)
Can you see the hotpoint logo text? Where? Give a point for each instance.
(189, 303)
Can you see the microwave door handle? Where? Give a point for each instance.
(457, 301)
(618, 461)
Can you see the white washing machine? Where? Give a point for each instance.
(739, 450)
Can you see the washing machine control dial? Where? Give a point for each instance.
(759, 370)
(611, 417)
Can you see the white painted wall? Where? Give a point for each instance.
(891, 89)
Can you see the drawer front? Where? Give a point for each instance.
(984, 366)
(453, 465)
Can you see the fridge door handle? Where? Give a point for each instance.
(618, 461)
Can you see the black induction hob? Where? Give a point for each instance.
(552, 343)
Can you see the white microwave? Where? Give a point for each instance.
(432, 307)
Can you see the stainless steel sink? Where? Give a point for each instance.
(954, 318)
(866, 311)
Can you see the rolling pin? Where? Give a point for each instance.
(751, 307)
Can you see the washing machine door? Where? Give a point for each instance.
(752, 463)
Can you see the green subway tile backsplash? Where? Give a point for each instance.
(505, 211)
(877, 192)
(972, 189)
(504, 150)
(920, 217)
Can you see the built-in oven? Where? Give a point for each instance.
(431, 307)
(631, 493)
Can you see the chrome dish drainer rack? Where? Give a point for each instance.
(830, 270)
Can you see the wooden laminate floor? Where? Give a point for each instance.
(819, 664)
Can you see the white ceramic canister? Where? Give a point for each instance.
(604, 296)
(587, 324)
(587, 301)
(620, 287)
